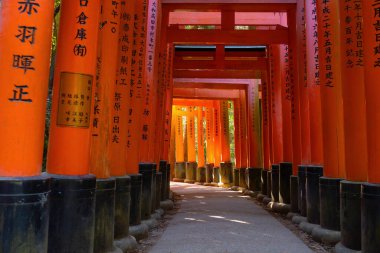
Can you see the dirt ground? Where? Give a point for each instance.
(155, 234)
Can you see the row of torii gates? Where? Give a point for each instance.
(302, 76)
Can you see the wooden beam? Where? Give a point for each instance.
(217, 73)
(209, 94)
(205, 85)
(192, 102)
(242, 6)
(233, 37)
(260, 64)
(211, 53)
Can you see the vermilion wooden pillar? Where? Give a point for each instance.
(148, 126)
(276, 106)
(106, 100)
(179, 151)
(244, 127)
(370, 192)
(75, 71)
(355, 121)
(136, 86)
(24, 77)
(190, 132)
(237, 132)
(201, 154)
(303, 85)
(295, 17)
(168, 99)
(255, 159)
(225, 132)
(265, 123)
(217, 138)
(331, 88)
(210, 158)
(119, 119)
(371, 17)
(70, 135)
(313, 83)
(25, 47)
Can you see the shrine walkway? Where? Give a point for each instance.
(214, 220)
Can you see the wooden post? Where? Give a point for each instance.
(201, 154)
(217, 140)
(119, 120)
(331, 88)
(244, 128)
(210, 148)
(237, 133)
(25, 47)
(313, 83)
(25, 43)
(190, 132)
(74, 79)
(225, 132)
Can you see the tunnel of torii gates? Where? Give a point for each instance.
(128, 94)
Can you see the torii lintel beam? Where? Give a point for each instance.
(192, 102)
(200, 85)
(237, 5)
(260, 64)
(228, 37)
(205, 93)
(216, 73)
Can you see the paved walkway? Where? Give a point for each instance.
(214, 220)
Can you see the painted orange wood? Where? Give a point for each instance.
(244, 129)
(313, 83)
(353, 91)
(217, 137)
(148, 124)
(190, 132)
(237, 132)
(276, 105)
(74, 80)
(200, 128)
(119, 122)
(179, 143)
(210, 158)
(225, 132)
(136, 87)
(371, 21)
(25, 42)
(265, 122)
(254, 140)
(331, 88)
(106, 99)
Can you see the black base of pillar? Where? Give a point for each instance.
(24, 214)
(158, 191)
(216, 175)
(168, 177)
(136, 195)
(269, 182)
(209, 172)
(264, 182)
(201, 175)
(242, 178)
(275, 181)
(153, 190)
(179, 172)
(302, 190)
(191, 172)
(72, 214)
(286, 170)
(370, 218)
(329, 198)
(236, 177)
(350, 214)
(104, 215)
(294, 194)
(146, 170)
(313, 173)
(254, 179)
(122, 211)
(164, 182)
(226, 176)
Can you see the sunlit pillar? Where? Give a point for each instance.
(226, 172)
(180, 164)
(191, 165)
(25, 48)
(217, 142)
(370, 192)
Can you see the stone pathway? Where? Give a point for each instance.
(214, 220)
